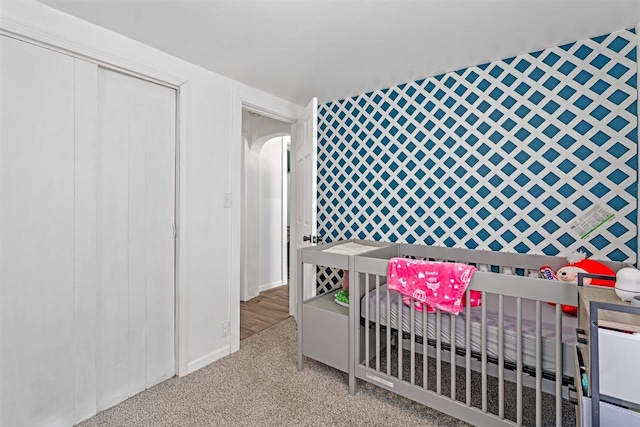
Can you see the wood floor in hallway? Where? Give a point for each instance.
(263, 311)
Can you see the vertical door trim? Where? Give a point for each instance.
(181, 331)
(284, 209)
(236, 280)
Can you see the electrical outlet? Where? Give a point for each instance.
(225, 328)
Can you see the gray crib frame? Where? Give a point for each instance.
(375, 263)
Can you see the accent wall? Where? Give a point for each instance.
(531, 154)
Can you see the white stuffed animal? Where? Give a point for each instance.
(628, 283)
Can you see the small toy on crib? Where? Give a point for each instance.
(578, 263)
(342, 296)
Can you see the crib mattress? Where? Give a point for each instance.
(569, 325)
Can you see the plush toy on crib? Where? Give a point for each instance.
(577, 263)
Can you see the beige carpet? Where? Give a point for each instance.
(260, 386)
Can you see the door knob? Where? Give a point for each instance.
(306, 238)
(317, 239)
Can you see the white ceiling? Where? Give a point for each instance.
(340, 48)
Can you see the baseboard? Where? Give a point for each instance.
(250, 297)
(84, 413)
(271, 285)
(207, 359)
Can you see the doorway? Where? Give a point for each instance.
(264, 267)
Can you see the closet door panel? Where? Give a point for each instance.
(160, 296)
(36, 235)
(138, 213)
(144, 115)
(86, 125)
(112, 293)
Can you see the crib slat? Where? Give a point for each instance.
(366, 320)
(484, 352)
(439, 351)
(388, 332)
(452, 341)
(425, 342)
(538, 364)
(354, 352)
(558, 365)
(377, 323)
(501, 356)
(519, 361)
(412, 371)
(468, 347)
(400, 330)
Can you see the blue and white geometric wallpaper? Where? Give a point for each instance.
(503, 156)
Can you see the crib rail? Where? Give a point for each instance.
(468, 256)
(409, 369)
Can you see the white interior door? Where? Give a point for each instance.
(304, 149)
(36, 235)
(136, 205)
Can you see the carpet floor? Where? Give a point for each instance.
(260, 386)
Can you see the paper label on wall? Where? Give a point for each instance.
(590, 221)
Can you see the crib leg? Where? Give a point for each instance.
(352, 384)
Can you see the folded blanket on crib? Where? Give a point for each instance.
(438, 285)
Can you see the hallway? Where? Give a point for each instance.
(265, 310)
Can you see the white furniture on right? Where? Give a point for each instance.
(616, 387)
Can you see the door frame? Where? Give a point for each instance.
(265, 106)
(286, 209)
(47, 40)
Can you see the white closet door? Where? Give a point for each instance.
(136, 190)
(159, 244)
(36, 235)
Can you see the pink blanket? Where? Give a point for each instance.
(438, 285)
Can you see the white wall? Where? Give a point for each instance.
(271, 213)
(251, 258)
(208, 270)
